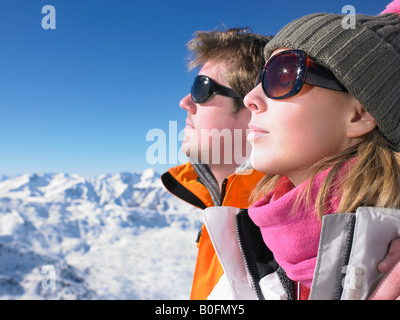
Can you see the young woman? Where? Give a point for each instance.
(325, 129)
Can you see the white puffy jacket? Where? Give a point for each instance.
(350, 248)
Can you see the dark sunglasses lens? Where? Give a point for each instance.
(280, 75)
(259, 77)
(200, 90)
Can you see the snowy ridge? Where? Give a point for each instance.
(119, 236)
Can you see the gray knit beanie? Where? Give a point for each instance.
(366, 60)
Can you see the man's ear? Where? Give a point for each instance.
(361, 123)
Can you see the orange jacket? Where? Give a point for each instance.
(183, 182)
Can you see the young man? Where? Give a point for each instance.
(215, 135)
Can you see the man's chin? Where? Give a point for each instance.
(188, 151)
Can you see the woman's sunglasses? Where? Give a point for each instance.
(204, 88)
(285, 73)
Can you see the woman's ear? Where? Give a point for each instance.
(361, 123)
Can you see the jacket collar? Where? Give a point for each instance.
(207, 178)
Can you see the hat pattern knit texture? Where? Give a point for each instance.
(365, 59)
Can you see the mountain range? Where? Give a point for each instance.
(121, 236)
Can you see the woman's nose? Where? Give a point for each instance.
(255, 100)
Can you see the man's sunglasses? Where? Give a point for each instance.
(285, 73)
(204, 88)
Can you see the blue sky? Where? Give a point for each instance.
(81, 98)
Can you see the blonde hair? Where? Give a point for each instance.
(372, 180)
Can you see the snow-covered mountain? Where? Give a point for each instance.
(119, 236)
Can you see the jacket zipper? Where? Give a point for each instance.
(223, 189)
(346, 256)
(249, 264)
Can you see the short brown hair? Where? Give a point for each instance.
(240, 49)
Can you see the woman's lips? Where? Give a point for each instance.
(256, 133)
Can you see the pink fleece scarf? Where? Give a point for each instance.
(393, 7)
(292, 236)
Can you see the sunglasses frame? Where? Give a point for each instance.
(309, 72)
(214, 88)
